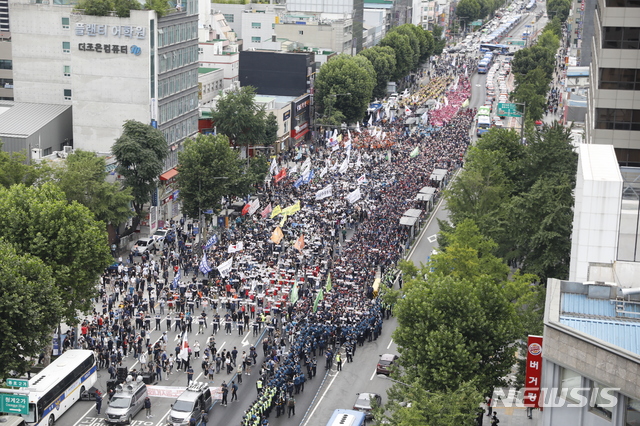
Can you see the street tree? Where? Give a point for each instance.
(416, 46)
(468, 10)
(439, 41)
(239, 118)
(401, 45)
(82, 178)
(14, 169)
(350, 80)
(31, 307)
(410, 405)
(210, 169)
(140, 151)
(41, 222)
(383, 59)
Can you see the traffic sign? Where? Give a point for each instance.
(477, 23)
(14, 404)
(508, 110)
(17, 383)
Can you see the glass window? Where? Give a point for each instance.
(67, 94)
(632, 412)
(6, 64)
(255, 39)
(228, 17)
(569, 379)
(623, 3)
(65, 23)
(600, 402)
(67, 70)
(66, 46)
(256, 25)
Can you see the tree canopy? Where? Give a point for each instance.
(65, 236)
(210, 169)
(140, 151)
(242, 121)
(405, 55)
(30, 307)
(14, 169)
(82, 178)
(383, 59)
(348, 79)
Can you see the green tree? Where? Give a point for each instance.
(270, 130)
(528, 94)
(416, 48)
(239, 118)
(82, 178)
(468, 10)
(14, 169)
(383, 60)
(349, 80)
(95, 7)
(401, 45)
(411, 405)
(161, 7)
(440, 42)
(41, 222)
(123, 8)
(209, 170)
(30, 308)
(140, 151)
(559, 9)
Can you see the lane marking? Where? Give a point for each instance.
(390, 343)
(85, 414)
(433, 238)
(320, 400)
(374, 374)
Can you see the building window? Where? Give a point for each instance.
(46, 151)
(255, 39)
(67, 94)
(621, 38)
(601, 399)
(6, 64)
(6, 83)
(66, 46)
(619, 79)
(622, 3)
(632, 412)
(256, 25)
(228, 17)
(65, 23)
(273, 26)
(300, 32)
(67, 70)
(617, 119)
(569, 380)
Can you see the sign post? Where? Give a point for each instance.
(508, 110)
(17, 383)
(14, 404)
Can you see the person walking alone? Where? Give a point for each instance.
(234, 392)
(147, 407)
(291, 405)
(98, 401)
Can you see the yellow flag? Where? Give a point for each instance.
(277, 235)
(292, 209)
(275, 212)
(284, 219)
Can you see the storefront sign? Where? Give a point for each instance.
(127, 31)
(302, 105)
(286, 115)
(531, 397)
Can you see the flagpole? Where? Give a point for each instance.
(203, 228)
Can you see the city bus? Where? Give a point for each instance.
(347, 418)
(500, 49)
(484, 110)
(483, 66)
(59, 385)
(531, 5)
(483, 125)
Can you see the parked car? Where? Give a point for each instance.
(385, 363)
(190, 404)
(143, 246)
(364, 403)
(126, 402)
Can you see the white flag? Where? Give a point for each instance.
(184, 348)
(293, 170)
(306, 164)
(358, 162)
(325, 192)
(225, 267)
(344, 166)
(234, 248)
(324, 171)
(358, 127)
(362, 179)
(254, 206)
(354, 196)
(274, 167)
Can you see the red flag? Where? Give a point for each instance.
(246, 208)
(266, 211)
(281, 175)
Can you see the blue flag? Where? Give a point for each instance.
(176, 279)
(299, 182)
(204, 265)
(309, 177)
(211, 241)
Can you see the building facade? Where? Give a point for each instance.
(109, 69)
(312, 30)
(614, 99)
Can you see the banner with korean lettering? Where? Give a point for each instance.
(531, 397)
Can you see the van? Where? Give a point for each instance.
(196, 398)
(126, 402)
(6, 420)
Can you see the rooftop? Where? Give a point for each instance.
(204, 70)
(25, 119)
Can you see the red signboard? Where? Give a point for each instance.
(531, 397)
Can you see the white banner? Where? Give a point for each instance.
(254, 206)
(344, 166)
(354, 196)
(325, 192)
(361, 180)
(234, 248)
(225, 267)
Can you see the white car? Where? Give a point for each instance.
(160, 234)
(143, 246)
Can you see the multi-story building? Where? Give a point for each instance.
(110, 69)
(218, 47)
(613, 115)
(313, 30)
(6, 67)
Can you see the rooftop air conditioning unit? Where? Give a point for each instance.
(68, 149)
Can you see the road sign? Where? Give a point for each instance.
(14, 404)
(17, 383)
(508, 110)
(477, 23)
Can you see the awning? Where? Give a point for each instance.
(408, 221)
(413, 213)
(168, 175)
(424, 197)
(428, 190)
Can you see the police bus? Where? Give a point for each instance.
(59, 385)
(347, 418)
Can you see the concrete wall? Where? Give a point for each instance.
(596, 217)
(336, 37)
(251, 20)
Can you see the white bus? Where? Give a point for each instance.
(58, 386)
